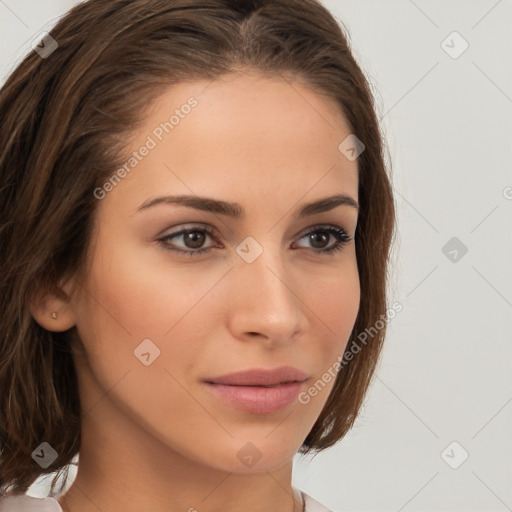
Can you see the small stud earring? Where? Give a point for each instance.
(54, 314)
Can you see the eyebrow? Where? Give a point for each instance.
(236, 211)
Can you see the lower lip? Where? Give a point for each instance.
(257, 399)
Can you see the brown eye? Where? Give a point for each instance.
(192, 239)
(319, 237)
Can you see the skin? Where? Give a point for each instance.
(153, 438)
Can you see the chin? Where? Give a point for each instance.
(252, 455)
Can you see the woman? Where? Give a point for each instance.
(195, 227)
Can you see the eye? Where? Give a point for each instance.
(194, 238)
(319, 236)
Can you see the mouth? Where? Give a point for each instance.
(258, 391)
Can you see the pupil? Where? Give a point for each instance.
(197, 239)
(315, 238)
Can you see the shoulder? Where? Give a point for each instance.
(311, 505)
(25, 503)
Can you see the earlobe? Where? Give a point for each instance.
(53, 312)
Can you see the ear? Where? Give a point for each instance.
(53, 310)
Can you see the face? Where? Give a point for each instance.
(250, 286)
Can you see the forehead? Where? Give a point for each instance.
(240, 133)
(243, 109)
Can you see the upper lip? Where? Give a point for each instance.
(260, 377)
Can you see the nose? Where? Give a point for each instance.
(264, 301)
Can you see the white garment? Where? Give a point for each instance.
(25, 503)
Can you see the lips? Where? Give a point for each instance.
(260, 377)
(258, 391)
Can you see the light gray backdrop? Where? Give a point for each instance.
(434, 434)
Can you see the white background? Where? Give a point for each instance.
(445, 374)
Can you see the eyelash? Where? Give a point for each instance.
(340, 234)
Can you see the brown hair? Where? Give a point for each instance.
(65, 122)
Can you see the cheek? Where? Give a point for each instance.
(127, 301)
(125, 304)
(334, 301)
(334, 306)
